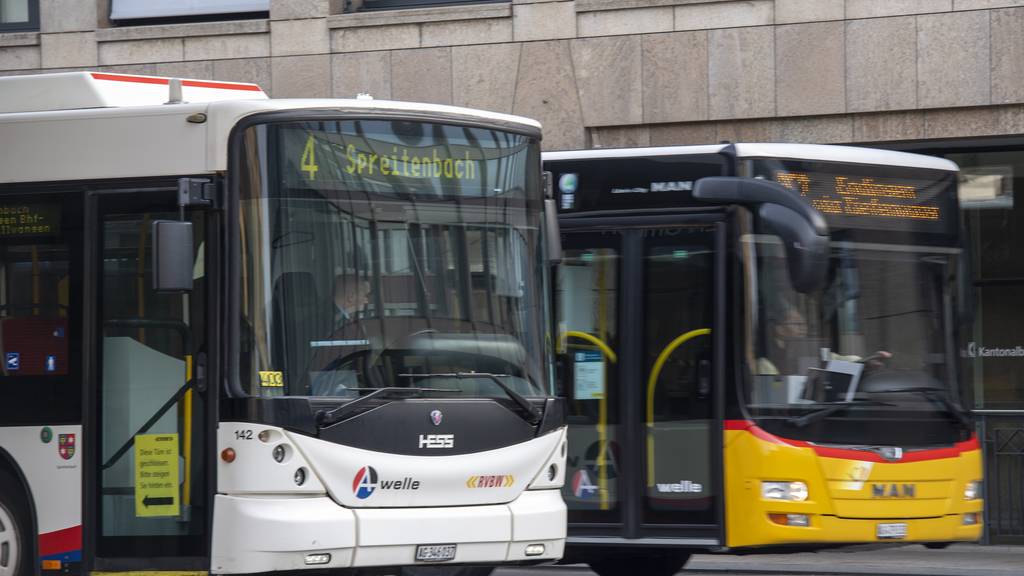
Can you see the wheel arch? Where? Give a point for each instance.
(10, 466)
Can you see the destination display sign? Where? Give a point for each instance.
(401, 157)
(876, 197)
(17, 220)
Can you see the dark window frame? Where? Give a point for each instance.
(31, 25)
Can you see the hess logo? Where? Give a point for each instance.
(437, 440)
(366, 482)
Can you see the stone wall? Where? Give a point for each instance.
(602, 72)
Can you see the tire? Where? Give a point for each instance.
(647, 564)
(15, 544)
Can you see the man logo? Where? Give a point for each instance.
(893, 491)
(436, 417)
(365, 482)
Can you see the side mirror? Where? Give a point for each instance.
(551, 230)
(172, 256)
(802, 228)
(806, 251)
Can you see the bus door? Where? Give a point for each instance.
(149, 493)
(636, 314)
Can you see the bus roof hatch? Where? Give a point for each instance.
(77, 90)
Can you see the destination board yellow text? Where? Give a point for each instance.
(861, 198)
(409, 165)
(25, 220)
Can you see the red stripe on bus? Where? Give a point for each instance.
(848, 454)
(64, 540)
(190, 83)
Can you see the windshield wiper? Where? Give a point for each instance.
(533, 415)
(338, 414)
(936, 395)
(812, 417)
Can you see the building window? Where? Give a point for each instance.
(138, 10)
(366, 5)
(18, 15)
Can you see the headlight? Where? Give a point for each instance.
(791, 491)
(973, 490)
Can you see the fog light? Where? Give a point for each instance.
(314, 559)
(300, 476)
(228, 455)
(278, 453)
(534, 549)
(552, 472)
(970, 519)
(798, 520)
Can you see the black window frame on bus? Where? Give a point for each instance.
(30, 25)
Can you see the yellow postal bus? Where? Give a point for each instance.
(760, 348)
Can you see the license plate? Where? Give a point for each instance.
(435, 552)
(892, 531)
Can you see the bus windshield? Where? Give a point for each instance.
(873, 357)
(878, 339)
(391, 254)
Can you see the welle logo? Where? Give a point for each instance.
(366, 482)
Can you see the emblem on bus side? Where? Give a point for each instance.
(66, 446)
(436, 417)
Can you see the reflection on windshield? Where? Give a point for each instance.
(877, 336)
(356, 280)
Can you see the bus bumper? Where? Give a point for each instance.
(826, 529)
(269, 533)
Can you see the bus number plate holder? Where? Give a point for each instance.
(896, 531)
(435, 552)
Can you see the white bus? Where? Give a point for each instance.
(247, 335)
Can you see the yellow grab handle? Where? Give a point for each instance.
(605, 349)
(652, 382)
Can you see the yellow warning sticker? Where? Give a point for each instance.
(271, 379)
(156, 475)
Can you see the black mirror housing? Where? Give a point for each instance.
(753, 191)
(172, 256)
(802, 228)
(806, 251)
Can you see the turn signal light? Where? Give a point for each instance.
(228, 455)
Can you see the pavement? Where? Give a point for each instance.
(878, 560)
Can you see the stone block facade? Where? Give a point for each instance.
(600, 72)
